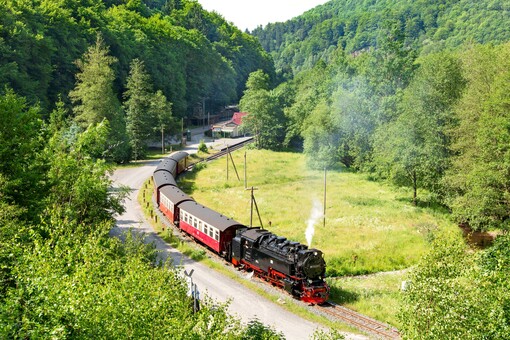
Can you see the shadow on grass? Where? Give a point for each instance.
(341, 296)
(186, 181)
(430, 204)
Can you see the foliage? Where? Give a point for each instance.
(428, 26)
(95, 100)
(452, 295)
(413, 150)
(93, 96)
(256, 330)
(144, 109)
(265, 116)
(78, 177)
(202, 147)
(103, 289)
(190, 53)
(20, 144)
(478, 180)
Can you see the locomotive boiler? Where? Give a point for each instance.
(289, 265)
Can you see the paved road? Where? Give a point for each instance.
(245, 303)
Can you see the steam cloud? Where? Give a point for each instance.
(315, 215)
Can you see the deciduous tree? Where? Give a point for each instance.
(265, 117)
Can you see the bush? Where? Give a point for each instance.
(202, 147)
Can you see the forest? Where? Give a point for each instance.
(416, 94)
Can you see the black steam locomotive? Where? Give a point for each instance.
(287, 264)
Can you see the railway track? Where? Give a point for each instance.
(228, 149)
(360, 321)
(221, 153)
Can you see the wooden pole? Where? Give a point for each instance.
(162, 140)
(251, 208)
(252, 200)
(234, 164)
(324, 211)
(245, 181)
(258, 213)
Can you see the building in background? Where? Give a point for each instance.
(231, 128)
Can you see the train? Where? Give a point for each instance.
(289, 265)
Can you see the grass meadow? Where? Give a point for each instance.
(369, 227)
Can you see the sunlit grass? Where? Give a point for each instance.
(377, 296)
(369, 227)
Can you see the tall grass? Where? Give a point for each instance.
(369, 227)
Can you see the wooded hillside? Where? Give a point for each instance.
(190, 54)
(355, 26)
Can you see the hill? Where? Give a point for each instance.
(427, 25)
(191, 54)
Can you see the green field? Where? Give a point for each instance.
(370, 227)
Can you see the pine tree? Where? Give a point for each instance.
(93, 96)
(138, 97)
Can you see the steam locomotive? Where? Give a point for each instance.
(286, 264)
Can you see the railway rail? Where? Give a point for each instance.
(360, 321)
(222, 152)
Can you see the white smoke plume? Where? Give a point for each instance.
(315, 215)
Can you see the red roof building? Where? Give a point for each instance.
(230, 128)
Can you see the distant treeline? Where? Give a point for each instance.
(428, 26)
(190, 54)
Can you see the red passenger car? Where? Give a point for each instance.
(161, 180)
(209, 227)
(171, 197)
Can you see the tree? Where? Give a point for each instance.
(21, 141)
(138, 97)
(79, 185)
(413, 150)
(94, 98)
(478, 183)
(163, 111)
(265, 119)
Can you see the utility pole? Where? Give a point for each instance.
(234, 165)
(182, 130)
(245, 180)
(162, 139)
(253, 201)
(324, 212)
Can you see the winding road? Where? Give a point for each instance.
(246, 304)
